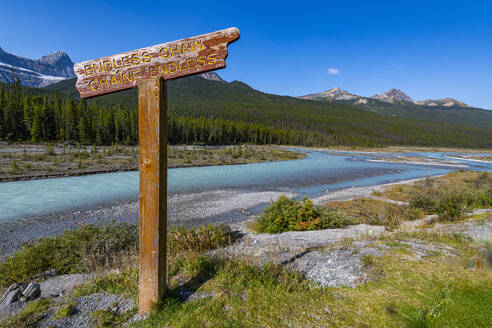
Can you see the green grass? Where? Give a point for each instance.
(66, 311)
(93, 248)
(431, 293)
(88, 248)
(29, 316)
(436, 291)
(450, 196)
(109, 319)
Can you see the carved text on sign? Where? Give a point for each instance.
(169, 60)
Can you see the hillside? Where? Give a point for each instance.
(396, 103)
(299, 121)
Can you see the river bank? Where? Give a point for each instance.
(230, 206)
(24, 161)
(406, 270)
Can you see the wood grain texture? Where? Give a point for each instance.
(152, 123)
(170, 60)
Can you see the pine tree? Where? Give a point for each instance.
(28, 113)
(36, 132)
(3, 105)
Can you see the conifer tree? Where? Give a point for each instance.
(36, 125)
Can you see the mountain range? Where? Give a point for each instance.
(393, 96)
(46, 70)
(390, 118)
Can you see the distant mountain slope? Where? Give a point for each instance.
(396, 103)
(35, 73)
(332, 94)
(393, 95)
(318, 122)
(197, 97)
(446, 102)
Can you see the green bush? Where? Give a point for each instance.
(480, 199)
(291, 215)
(451, 205)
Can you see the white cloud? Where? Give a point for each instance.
(333, 71)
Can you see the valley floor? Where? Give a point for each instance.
(376, 273)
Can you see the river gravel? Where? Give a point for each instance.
(183, 209)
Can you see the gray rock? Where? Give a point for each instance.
(336, 267)
(58, 285)
(10, 296)
(199, 295)
(83, 308)
(31, 292)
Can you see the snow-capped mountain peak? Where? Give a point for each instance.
(332, 94)
(35, 73)
(393, 95)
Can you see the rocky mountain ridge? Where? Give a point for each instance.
(392, 96)
(48, 69)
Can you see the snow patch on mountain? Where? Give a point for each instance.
(48, 69)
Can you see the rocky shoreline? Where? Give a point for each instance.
(230, 206)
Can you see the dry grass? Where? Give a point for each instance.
(405, 149)
(468, 180)
(363, 210)
(30, 161)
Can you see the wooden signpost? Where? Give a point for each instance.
(147, 69)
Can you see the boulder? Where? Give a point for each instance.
(31, 292)
(10, 296)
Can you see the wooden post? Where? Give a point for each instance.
(146, 69)
(152, 124)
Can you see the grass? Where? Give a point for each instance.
(88, 248)
(467, 180)
(429, 293)
(37, 161)
(93, 248)
(29, 316)
(450, 196)
(289, 214)
(66, 311)
(103, 319)
(433, 292)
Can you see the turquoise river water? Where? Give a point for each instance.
(312, 176)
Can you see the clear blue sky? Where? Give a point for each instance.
(429, 49)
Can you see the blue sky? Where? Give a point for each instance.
(429, 49)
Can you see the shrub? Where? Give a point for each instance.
(451, 205)
(49, 151)
(292, 215)
(480, 198)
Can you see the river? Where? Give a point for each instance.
(317, 173)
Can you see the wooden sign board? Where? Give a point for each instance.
(170, 60)
(148, 68)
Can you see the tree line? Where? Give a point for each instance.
(39, 115)
(46, 118)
